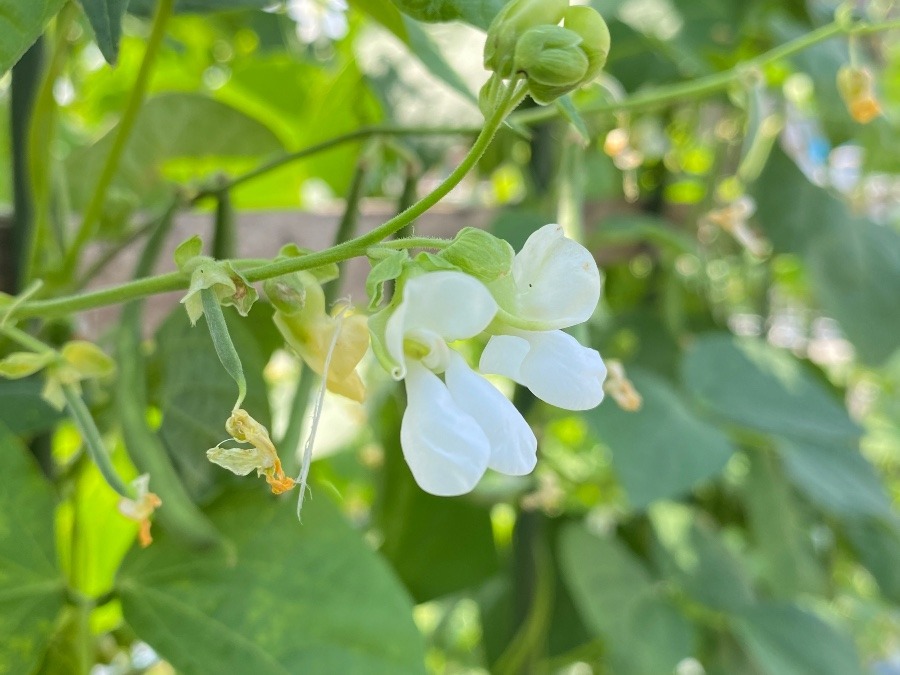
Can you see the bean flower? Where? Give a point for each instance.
(554, 283)
(456, 424)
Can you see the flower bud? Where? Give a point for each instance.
(588, 24)
(511, 22)
(856, 88)
(552, 61)
(480, 254)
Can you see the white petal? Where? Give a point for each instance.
(557, 279)
(394, 330)
(445, 448)
(557, 368)
(513, 444)
(504, 355)
(454, 305)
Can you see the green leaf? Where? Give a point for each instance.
(197, 395)
(695, 558)
(21, 23)
(780, 529)
(145, 7)
(179, 134)
(783, 639)
(751, 384)
(22, 409)
(284, 597)
(568, 110)
(836, 477)
(663, 450)
(877, 544)
(382, 272)
(853, 263)
(615, 596)
(422, 533)
(637, 229)
(32, 588)
(105, 17)
(479, 13)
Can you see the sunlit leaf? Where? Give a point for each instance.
(282, 597)
(20, 25)
(31, 584)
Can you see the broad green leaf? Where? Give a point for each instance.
(21, 23)
(173, 131)
(695, 558)
(615, 596)
(437, 545)
(283, 597)
(196, 393)
(479, 13)
(751, 384)
(32, 588)
(877, 544)
(22, 410)
(783, 639)
(663, 450)
(853, 263)
(836, 477)
(105, 17)
(781, 531)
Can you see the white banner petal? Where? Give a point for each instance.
(453, 305)
(557, 279)
(445, 448)
(513, 444)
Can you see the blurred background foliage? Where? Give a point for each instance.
(743, 520)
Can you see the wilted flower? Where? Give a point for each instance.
(141, 507)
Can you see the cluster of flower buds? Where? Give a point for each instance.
(554, 47)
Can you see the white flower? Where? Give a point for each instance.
(552, 364)
(555, 285)
(453, 429)
(317, 19)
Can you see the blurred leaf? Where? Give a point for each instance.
(105, 17)
(637, 229)
(854, 264)
(412, 35)
(780, 530)
(21, 23)
(751, 384)
(695, 558)
(479, 13)
(32, 589)
(836, 477)
(284, 597)
(196, 394)
(189, 128)
(422, 533)
(145, 7)
(615, 596)
(877, 544)
(22, 410)
(67, 652)
(783, 639)
(662, 450)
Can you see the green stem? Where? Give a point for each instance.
(711, 84)
(93, 441)
(223, 244)
(132, 108)
(416, 242)
(28, 341)
(357, 135)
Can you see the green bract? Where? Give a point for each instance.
(229, 285)
(479, 253)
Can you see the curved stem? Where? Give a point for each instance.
(711, 84)
(135, 101)
(416, 242)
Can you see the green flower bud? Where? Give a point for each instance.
(511, 22)
(551, 58)
(480, 254)
(594, 35)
